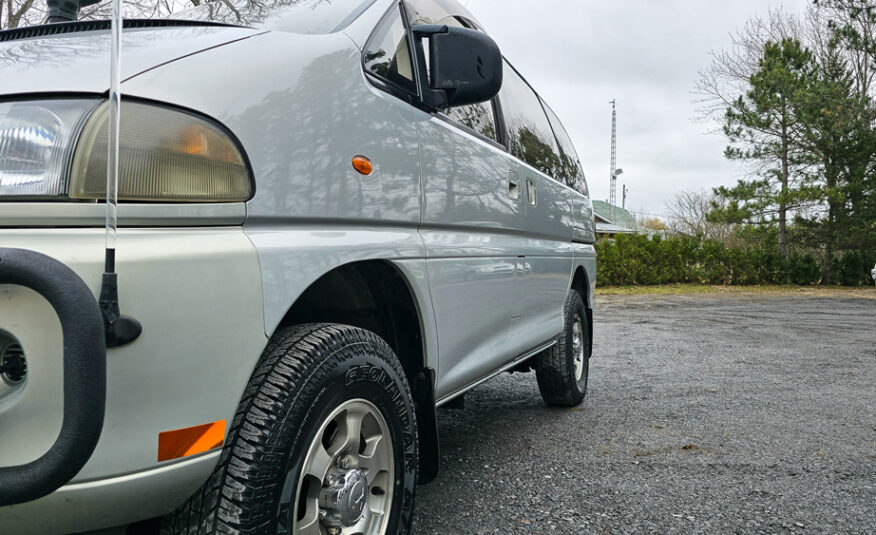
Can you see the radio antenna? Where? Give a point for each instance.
(119, 329)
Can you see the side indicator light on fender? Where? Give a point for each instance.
(363, 165)
(190, 440)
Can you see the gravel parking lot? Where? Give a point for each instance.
(705, 414)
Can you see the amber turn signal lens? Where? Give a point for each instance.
(363, 165)
(165, 155)
(190, 440)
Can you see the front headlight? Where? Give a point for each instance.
(165, 155)
(36, 143)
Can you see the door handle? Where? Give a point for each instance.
(513, 185)
(531, 193)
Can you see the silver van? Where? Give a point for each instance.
(335, 217)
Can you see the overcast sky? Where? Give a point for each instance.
(579, 54)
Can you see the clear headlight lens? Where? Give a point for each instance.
(36, 141)
(165, 155)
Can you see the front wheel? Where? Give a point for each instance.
(324, 443)
(562, 370)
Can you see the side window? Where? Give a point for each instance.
(570, 165)
(529, 133)
(387, 54)
(478, 117)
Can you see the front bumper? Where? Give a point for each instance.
(197, 292)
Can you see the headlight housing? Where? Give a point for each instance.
(165, 155)
(53, 148)
(36, 142)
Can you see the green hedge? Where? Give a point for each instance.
(638, 259)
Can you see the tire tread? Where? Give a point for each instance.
(223, 503)
(555, 376)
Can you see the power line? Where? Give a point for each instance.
(653, 192)
(646, 213)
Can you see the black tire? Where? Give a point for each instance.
(304, 373)
(555, 368)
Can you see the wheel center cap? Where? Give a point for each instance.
(349, 497)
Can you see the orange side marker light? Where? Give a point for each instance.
(363, 165)
(190, 440)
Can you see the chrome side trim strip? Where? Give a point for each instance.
(506, 367)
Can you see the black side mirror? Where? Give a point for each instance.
(465, 66)
(66, 10)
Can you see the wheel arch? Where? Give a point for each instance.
(372, 295)
(376, 295)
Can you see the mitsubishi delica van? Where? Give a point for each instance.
(334, 218)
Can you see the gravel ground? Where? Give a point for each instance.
(705, 414)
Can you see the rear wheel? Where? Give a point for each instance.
(324, 443)
(562, 370)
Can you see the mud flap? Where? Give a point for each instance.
(427, 425)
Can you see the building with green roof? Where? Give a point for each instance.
(612, 220)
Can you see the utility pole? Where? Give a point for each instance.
(624, 202)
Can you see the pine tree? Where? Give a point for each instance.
(762, 127)
(837, 138)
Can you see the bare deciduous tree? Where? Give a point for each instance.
(651, 223)
(688, 215)
(16, 13)
(728, 76)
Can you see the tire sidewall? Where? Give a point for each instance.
(360, 376)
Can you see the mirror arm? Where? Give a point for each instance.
(65, 10)
(434, 98)
(427, 30)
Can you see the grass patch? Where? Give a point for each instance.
(687, 289)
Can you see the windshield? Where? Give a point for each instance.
(297, 16)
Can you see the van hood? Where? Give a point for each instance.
(78, 61)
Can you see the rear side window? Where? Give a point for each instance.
(387, 54)
(570, 165)
(530, 136)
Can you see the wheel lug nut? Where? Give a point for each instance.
(323, 514)
(345, 462)
(331, 480)
(333, 531)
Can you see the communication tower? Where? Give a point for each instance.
(613, 196)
